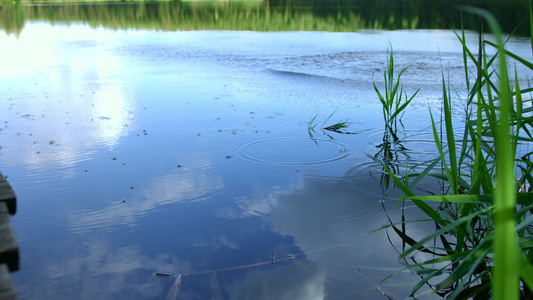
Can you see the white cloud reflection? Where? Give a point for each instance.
(189, 185)
(110, 115)
(100, 271)
(64, 99)
(329, 220)
(282, 283)
(19, 56)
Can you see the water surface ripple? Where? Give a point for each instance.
(293, 151)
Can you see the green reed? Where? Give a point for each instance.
(339, 127)
(394, 100)
(482, 245)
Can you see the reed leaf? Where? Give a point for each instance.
(428, 210)
(453, 172)
(393, 100)
(505, 280)
(451, 225)
(512, 55)
(468, 263)
(526, 271)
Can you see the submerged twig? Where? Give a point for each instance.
(312, 272)
(175, 289)
(382, 291)
(216, 291)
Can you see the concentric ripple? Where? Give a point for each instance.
(293, 151)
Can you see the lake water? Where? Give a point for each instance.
(134, 152)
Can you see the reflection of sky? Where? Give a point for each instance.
(64, 93)
(190, 184)
(327, 219)
(103, 270)
(19, 55)
(112, 146)
(111, 113)
(284, 283)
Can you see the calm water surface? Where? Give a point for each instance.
(136, 152)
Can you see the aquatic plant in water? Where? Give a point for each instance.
(394, 100)
(339, 127)
(482, 245)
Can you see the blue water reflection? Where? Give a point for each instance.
(136, 152)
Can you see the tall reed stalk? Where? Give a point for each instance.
(394, 100)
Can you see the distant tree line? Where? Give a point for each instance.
(268, 15)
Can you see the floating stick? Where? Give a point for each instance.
(216, 292)
(174, 290)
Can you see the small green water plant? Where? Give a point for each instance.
(339, 127)
(394, 100)
(482, 246)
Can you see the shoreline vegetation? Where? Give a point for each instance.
(482, 244)
(262, 15)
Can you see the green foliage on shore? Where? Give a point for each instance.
(266, 15)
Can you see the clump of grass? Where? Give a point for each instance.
(483, 243)
(394, 101)
(338, 127)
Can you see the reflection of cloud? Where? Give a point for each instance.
(110, 115)
(62, 104)
(187, 185)
(19, 56)
(54, 136)
(105, 64)
(190, 184)
(260, 205)
(221, 241)
(329, 219)
(284, 283)
(100, 271)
